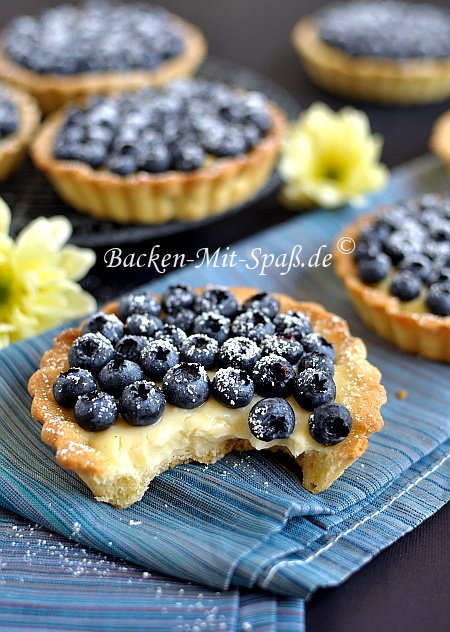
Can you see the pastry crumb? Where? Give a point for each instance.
(402, 394)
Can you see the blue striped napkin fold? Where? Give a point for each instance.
(246, 521)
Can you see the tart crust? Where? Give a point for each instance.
(440, 138)
(146, 198)
(363, 395)
(52, 90)
(369, 79)
(14, 146)
(424, 333)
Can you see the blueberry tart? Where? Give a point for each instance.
(398, 277)
(118, 423)
(19, 119)
(189, 150)
(385, 51)
(69, 51)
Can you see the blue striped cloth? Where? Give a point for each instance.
(244, 522)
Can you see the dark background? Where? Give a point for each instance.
(405, 588)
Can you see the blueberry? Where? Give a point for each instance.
(155, 159)
(252, 324)
(232, 144)
(200, 348)
(142, 325)
(117, 374)
(182, 318)
(218, 300)
(122, 164)
(91, 352)
(273, 376)
(318, 362)
(293, 323)
(232, 387)
(315, 343)
(399, 245)
(186, 385)
(187, 157)
(286, 346)
(66, 150)
(157, 357)
(173, 334)
(256, 112)
(251, 134)
(405, 286)
(239, 352)
(93, 153)
(143, 303)
(313, 388)
(417, 264)
(69, 385)
(264, 303)
(142, 403)
(271, 418)
(106, 324)
(330, 423)
(213, 325)
(9, 118)
(441, 231)
(367, 250)
(95, 411)
(439, 275)
(374, 269)
(177, 297)
(130, 348)
(438, 299)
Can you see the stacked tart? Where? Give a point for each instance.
(148, 384)
(399, 276)
(72, 51)
(19, 118)
(388, 51)
(192, 149)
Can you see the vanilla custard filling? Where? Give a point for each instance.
(197, 432)
(415, 306)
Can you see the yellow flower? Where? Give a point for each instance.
(38, 275)
(331, 158)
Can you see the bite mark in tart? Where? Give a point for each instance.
(320, 410)
(70, 52)
(389, 51)
(194, 149)
(399, 276)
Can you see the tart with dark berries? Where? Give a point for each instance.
(19, 119)
(399, 274)
(192, 149)
(120, 410)
(386, 51)
(69, 52)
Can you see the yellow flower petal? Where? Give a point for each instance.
(5, 217)
(76, 261)
(331, 158)
(38, 275)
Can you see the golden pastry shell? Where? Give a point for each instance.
(390, 82)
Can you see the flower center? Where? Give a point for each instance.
(6, 286)
(332, 173)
